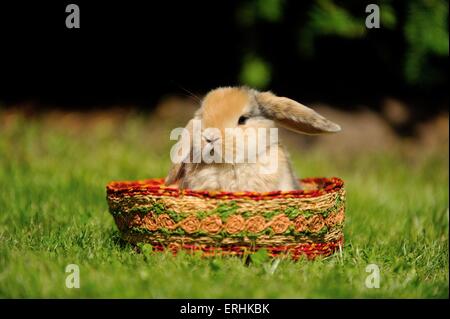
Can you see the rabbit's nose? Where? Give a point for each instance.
(210, 138)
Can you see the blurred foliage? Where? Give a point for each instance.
(423, 30)
(427, 34)
(255, 72)
(326, 18)
(267, 10)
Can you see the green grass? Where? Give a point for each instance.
(53, 213)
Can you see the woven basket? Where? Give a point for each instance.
(300, 222)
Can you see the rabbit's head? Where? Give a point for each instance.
(232, 117)
(237, 125)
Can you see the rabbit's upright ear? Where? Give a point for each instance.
(293, 115)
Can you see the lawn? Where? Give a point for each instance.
(53, 212)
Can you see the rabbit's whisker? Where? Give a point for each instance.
(189, 93)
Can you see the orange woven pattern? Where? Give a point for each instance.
(235, 224)
(148, 211)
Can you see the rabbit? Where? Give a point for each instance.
(243, 107)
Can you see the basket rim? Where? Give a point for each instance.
(156, 187)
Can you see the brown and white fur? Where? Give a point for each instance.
(226, 108)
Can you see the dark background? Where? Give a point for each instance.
(135, 52)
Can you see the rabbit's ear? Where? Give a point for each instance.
(293, 115)
(176, 173)
(178, 170)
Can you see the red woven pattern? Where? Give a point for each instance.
(156, 187)
(310, 250)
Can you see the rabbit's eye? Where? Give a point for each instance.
(242, 120)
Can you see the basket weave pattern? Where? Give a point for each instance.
(308, 221)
